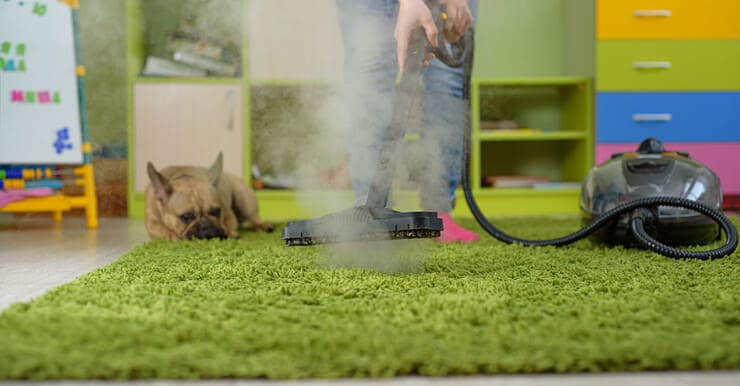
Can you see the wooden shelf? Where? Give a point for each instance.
(492, 135)
(555, 140)
(532, 81)
(188, 79)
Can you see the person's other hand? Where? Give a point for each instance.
(413, 14)
(459, 19)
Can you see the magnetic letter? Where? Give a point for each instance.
(44, 97)
(39, 9)
(16, 96)
(10, 65)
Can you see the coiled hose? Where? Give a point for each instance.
(638, 210)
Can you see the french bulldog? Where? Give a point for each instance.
(190, 202)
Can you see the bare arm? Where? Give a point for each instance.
(415, 13)
(412, 14)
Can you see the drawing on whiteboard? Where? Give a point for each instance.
(8, 58)
(7, 48)
(62, 143)
(39, 64)
(39, 90)
(39, 9)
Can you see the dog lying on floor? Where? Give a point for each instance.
(186, 202)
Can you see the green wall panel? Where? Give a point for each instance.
(103, 33)
(518, 38)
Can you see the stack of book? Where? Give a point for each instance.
(535, 182)
(194, 54)
(514, 181)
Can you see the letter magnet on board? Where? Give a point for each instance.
(62, 143)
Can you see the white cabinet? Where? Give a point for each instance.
(186, 124)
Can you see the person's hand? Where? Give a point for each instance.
(459, 19)
(411, 15)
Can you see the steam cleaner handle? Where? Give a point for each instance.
(417, 52)
(459, 51)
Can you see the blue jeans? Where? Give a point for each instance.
(369, 75)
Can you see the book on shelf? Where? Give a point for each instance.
(200, 48)
(190, 53)
(156, 66)
(518, 131)
(507, 127)
(498, 124)
(204, 63)
(514, 181)
(557, 185)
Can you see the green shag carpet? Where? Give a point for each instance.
(255, 308)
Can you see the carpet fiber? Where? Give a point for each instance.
(255, 308)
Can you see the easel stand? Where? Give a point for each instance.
(59, 203)
(23, 176)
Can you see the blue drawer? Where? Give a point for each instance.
(668, 116)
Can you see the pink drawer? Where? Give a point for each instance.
(722, 157)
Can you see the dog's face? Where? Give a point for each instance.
(190, 204)
(194, 210)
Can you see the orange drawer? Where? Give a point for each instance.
(668, 19)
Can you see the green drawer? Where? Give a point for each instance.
(668, 65)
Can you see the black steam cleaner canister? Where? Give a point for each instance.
(651, 171)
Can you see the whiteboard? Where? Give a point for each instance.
(39, 93)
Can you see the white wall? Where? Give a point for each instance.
(294, 40)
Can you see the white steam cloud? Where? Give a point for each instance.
(303, 134)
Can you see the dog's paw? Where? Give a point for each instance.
(172, 237)
(269, 228)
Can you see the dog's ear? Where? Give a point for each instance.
(162, 187)
(214, 173)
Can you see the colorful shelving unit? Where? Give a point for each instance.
(669, 70)
(534, 66)
(556, 142)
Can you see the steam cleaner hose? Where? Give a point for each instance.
(638, 210)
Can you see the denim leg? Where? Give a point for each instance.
(442, 135)
(444, 120)
(370, 68)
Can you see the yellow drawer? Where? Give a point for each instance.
(668, 19)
